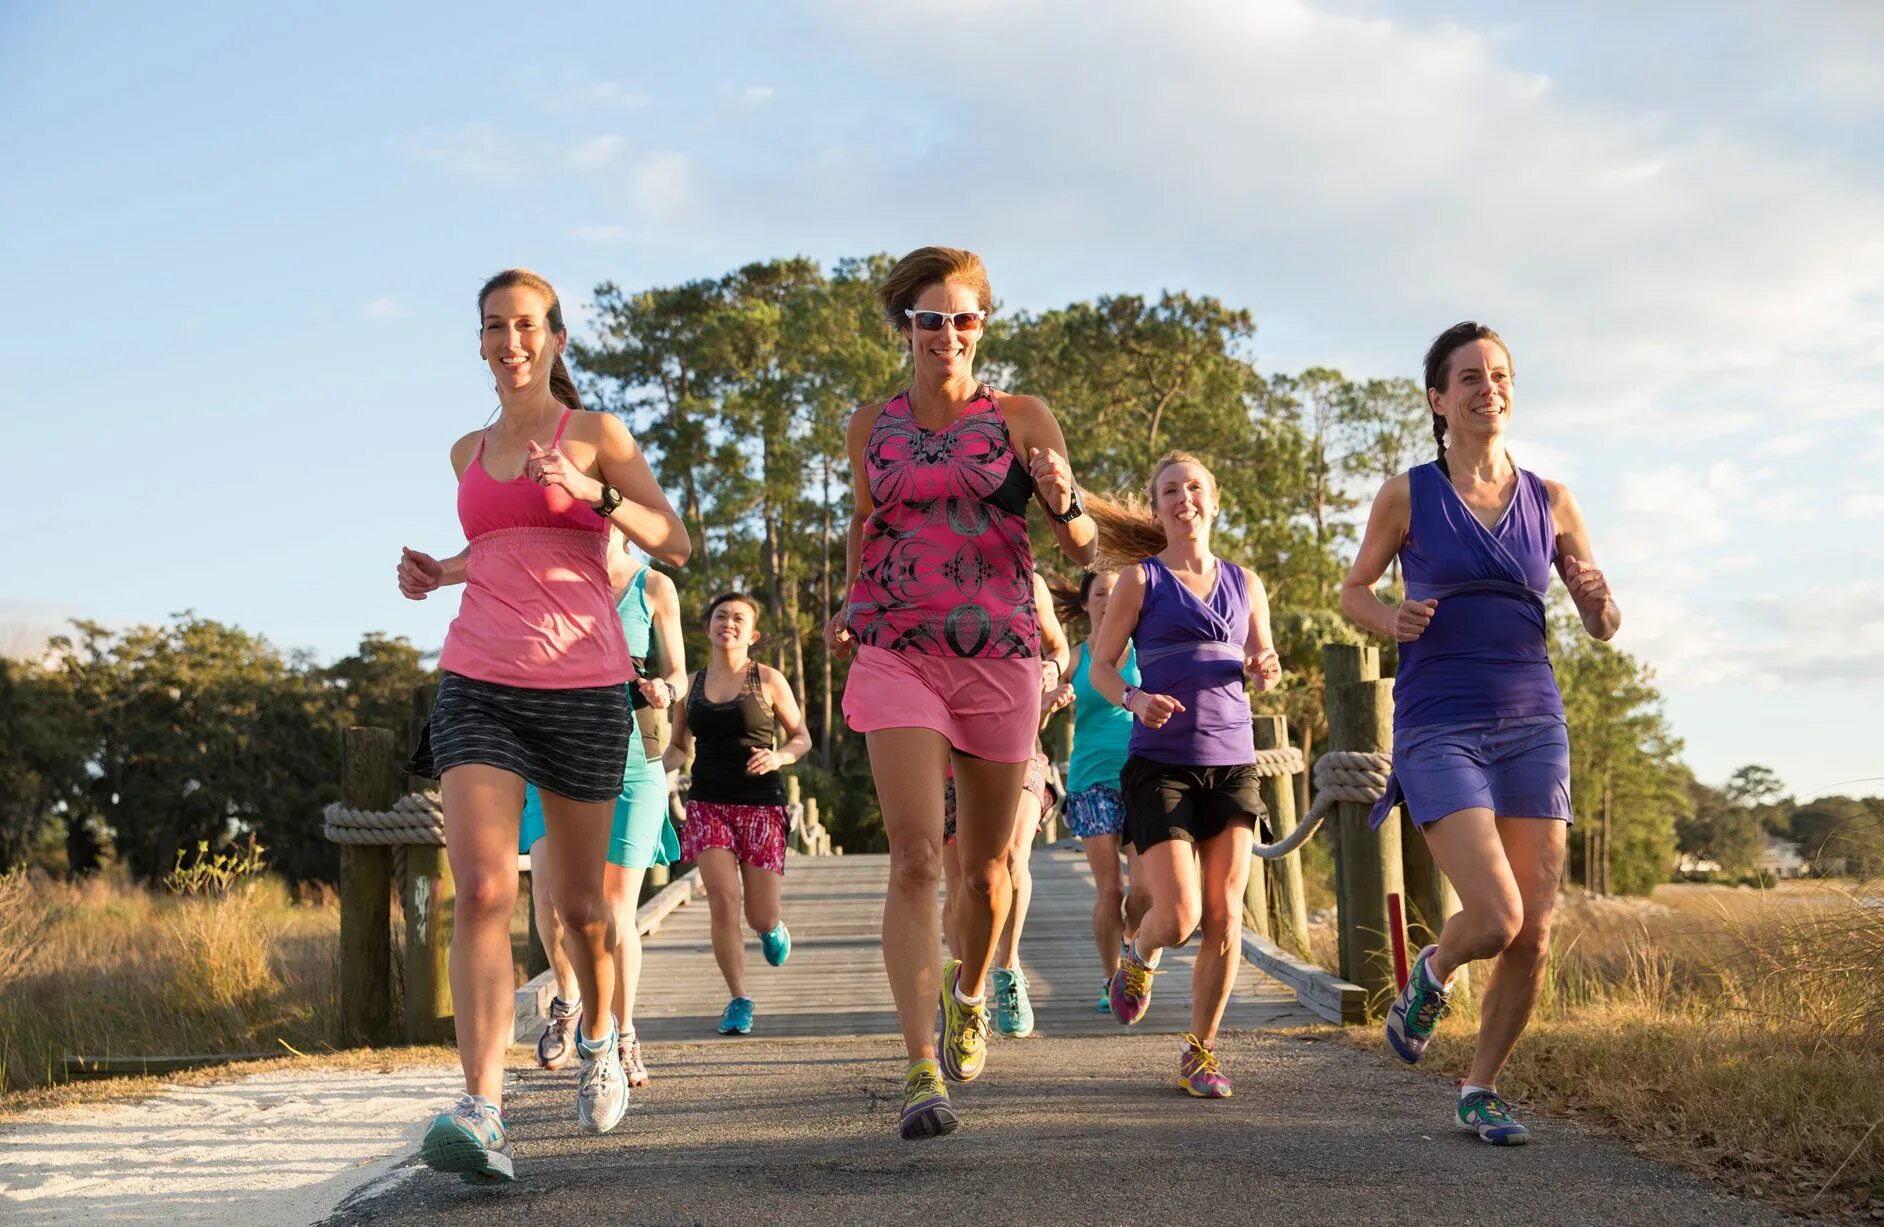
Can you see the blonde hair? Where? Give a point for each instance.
(562, 386)
(927, 266)
(1128, 528)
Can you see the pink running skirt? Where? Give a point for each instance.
(986, 706)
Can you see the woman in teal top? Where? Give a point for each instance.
(1102, 735)
(647, 603)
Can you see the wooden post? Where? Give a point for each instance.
(1288, 903)
(423, 697)
(1256, 896)
(1360, 717)
(428, 902)
(369, 780)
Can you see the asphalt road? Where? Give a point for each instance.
(1058, 1130)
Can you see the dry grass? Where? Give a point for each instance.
(1735, 1033)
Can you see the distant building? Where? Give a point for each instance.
(1782, 859)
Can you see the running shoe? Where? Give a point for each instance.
(963, 1041)
(777, 944)
(630, 1045)
(926, 1109)
(1013, 1012)
(602, 1086)
(1416, 1011)
(736, 1018)
(556, 1047)
(1105, 996)
(1198, 1071)
(470, 1140)
(1130, 990)
(1484, 1113)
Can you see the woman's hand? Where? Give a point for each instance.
(1060, 696)
(1587, 586)
(1264, 666)
(655, 691)
(1154, 709)
(837, 637)
(1053, 477)
(1411, 619)
(418, 573)
(764, 762)
(547, 466)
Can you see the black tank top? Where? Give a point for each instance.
(724, 737)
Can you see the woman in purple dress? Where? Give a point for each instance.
(1481, 755)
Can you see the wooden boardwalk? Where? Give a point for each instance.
(834, 984)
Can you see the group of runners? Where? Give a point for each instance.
(565, 701)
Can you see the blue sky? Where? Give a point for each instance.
(244, 244)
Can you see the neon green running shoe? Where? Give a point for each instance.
(962, 1043)
(926, 1109)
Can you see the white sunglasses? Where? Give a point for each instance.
(931, 321)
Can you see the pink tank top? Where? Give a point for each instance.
(538, 610)
(946, 568)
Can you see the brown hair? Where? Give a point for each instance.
(1069, 600)
(927, 266)
(1439, 361)
(1129, 531)
(562, 387)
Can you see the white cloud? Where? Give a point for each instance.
(471, 151)
(599, 234)
(384, 309)
(1790, 444)
(667, 185)
(1682, 509)
(587, 95)
(1866, 506)
(598, 152)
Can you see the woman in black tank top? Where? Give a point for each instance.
(737, 712)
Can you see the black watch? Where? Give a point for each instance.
(1075, 508)
(611, 499)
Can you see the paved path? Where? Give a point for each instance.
(834, 985)
(1080, 1124)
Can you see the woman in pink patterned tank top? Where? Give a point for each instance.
(941, 615)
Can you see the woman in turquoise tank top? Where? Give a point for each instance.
(1102, 734)
(647, 602)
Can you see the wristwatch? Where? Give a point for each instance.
(1125, 700)
(1075, 508)
(611, 499)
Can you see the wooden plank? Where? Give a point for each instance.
(1323, 992)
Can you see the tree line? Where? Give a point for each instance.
(738, 388)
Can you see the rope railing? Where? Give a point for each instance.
(416, 818)
(1340, 775)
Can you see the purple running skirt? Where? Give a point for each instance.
(1516, 768)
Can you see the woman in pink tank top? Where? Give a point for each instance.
(942, 617)
(533, 691)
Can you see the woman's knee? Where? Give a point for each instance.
(583, 910)
(915, 866)
(1111, 898)
(485, 897)
(1529, 944)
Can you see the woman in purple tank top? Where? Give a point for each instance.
(532, 691)
(1481, 759)
(1192, 795)
(942, 618)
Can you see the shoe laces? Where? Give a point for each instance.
(1137, 977)
(1201, 1059)
(597, 1073)
(1432, 1004)
(562, 1011)
(1492, 1106)
(922, 1081)
(975, 1030)
(1009, 990)
(469, 1108)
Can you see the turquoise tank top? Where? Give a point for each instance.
(1102, 733)
(637, 621)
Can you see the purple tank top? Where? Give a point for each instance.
(1192, 650)
(946, 568)
(1483, 656)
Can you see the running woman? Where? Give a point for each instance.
(1095, 811)
(1481, 753)
(533, 692)
(1013, 1010)
(642, 835)
(942, 617)
(1191, 790)
(736, 714)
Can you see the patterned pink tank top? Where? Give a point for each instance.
(946, 567)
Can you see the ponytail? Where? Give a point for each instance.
(562, 387)
(1069, 600)
(1128, 532)
(1439, 437)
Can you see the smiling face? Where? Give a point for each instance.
(733, 624)
(516, 340)
(1184, 496)
(1475, 392)
(945, 353)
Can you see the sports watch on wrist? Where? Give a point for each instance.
(611, 499)
(1075, 508)
(1131, 692)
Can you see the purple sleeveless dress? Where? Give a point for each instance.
(1192, 650)
(1478, 718)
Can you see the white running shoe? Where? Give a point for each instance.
(602, 1086)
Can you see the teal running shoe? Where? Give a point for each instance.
(736, 1019)
(1105, 997)
(777, 944)
(471, 1141)
(1416, 1011)
(1484, 1113)
(1013, 1012)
